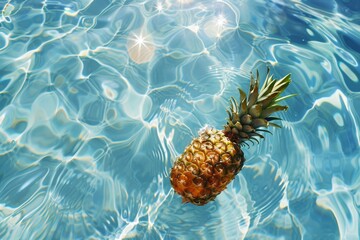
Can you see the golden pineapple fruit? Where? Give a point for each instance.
(212, 160)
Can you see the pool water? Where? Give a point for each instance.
(99, 97)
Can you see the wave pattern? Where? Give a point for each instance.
(97, 98)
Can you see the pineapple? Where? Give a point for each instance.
(212, 160)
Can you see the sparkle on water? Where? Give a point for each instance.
(97, 98)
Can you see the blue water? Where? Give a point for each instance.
(98, 97)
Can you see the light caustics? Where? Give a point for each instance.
(140, 47)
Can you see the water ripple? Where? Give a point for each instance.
(97, 98)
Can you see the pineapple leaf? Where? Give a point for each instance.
(275, 108)
(231, 107)
(274, 125)
(285, 97)
(228, 112)
(252, 82)
(242, 95)
(272, 118)
(268, 99)
(286, 79)
(255, 110)
(268, 89)
(280, 85)
(267, 79)
(245, 143)
(259, 122)
(257, 135)
(233, 103)
(252, 138)
(263, 130)
(253, 95)
(243, 106)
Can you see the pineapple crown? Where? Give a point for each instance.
(253, 113)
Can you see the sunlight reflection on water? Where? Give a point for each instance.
(97, 98)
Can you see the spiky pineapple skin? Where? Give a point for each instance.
(208, 164)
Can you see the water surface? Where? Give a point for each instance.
(97, 98)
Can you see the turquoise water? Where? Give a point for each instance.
(98, 97)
